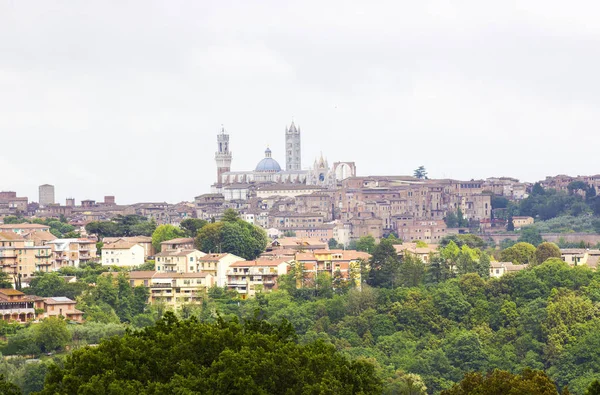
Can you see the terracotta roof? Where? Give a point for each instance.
(181, 275)
(10, 236)
(305, 256)
(213, 257)
(281, 252)
(40, 236)
(24, 226)
(11, 292)
(177, 252)
(141, 274)
(498, 265)
(573, 250)
(59, 300)
(119, 245)
(181, 240)
(260, 262)
(346, 255)
(412, 247)
(133, 239)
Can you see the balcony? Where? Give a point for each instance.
(161, 285)
(237, 282)
(7, 254)
(43, 264)
(17, 311)
(43, 255)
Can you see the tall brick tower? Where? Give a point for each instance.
(293, 148)
(223, 155)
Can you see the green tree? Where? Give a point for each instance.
(385, 266)
(365, 244)
(7, 388)
(230, 215)
(499, 382)
(191, 226)
(530, 235)
(594, 388)
(234, 236)
(332, 243)
(510, 225)
(420, 173)
(51, 334)
(520, 253)
(226, 357)
(545, 251)
(451, 220)
(31, 377)
(165, 233)
(411, 271)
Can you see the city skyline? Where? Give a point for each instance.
(470, 91)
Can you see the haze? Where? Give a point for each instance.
(125, 98)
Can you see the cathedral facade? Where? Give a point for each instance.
(268, 170)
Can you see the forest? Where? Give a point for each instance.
(421, 326)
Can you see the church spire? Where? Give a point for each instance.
(293, 148)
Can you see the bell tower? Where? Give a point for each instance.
(223, 155)
(293, 148)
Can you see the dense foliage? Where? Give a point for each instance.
(232, 235)
(164, 233)
(224, 357)
(122, 226)
(424, 326)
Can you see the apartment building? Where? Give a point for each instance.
(16, 306)
(22, 229)
(176, 289)
(72, 252)
(251, 277)
(178, 260)
(324, 232)
(123, 253)
(409, 229)
(345, 262)
(217, 265)
(185, 243)
(20, 256)
(286, 220)
(144, 241)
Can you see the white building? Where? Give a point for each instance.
(178, 261)
(217, 265)
(123, 253)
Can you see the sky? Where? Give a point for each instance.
(125, 98)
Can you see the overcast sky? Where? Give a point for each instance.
(125, 97)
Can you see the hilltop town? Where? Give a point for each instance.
(293, 237)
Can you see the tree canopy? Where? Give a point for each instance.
(232, 235)
(165, 233)
(177, 356)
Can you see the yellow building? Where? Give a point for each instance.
(250, 277)
(174, 289)
(519, 222)
(20, 256)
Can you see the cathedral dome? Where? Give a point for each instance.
(268, 164)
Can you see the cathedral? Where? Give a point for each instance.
(268, 170)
